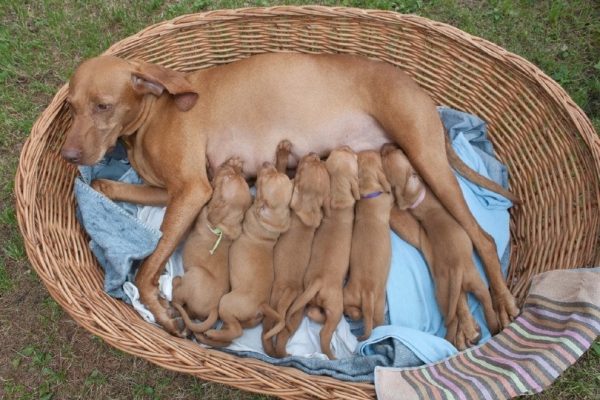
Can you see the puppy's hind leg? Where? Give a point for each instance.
(333, 316)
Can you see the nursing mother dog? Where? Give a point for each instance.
(174, 124)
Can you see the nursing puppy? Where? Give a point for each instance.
(251, 259)
(197, 293)
(330, 255)
(371, 253)
(449, 247)
(292, 251)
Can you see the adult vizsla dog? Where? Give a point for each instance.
(292, 251)
(251, 259)
(197, 293)
(371, 251)
(174, 122)
(330, 253)
(446, 246)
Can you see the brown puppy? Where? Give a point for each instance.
(174, 122)
(371, 252)
(448, 247)
(206, 251)
(292, 251)
(251, 259)
(330, 256)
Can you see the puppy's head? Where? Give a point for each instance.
(342, 165)
(371, 177)
(230, 200)
(311, 190)
(273, 196)
(106, 101)
(406, 184)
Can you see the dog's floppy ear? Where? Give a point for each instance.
(154, 79)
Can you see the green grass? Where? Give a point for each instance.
(41, 42)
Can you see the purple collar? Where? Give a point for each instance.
(371, 195)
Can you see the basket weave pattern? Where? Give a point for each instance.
(548, 143)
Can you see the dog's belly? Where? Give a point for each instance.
(257, 145)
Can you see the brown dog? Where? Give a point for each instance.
(292, 251)
(330, 255)
(446, 247)
(371, 251)
(206, 251)
(251, 259)
(174, 122)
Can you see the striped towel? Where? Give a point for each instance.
(559, 322)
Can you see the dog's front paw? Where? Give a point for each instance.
(103, 186)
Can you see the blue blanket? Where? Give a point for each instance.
(415, 332)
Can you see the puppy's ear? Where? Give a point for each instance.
(354, 188)
(154, 79)
(270, 219)
(383, 181)
(307, 207)
(411, 191)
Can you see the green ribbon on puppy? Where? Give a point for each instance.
(219, 233)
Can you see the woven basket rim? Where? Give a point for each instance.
(529, 71)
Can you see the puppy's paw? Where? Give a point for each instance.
(236, 163)
(284, 148)
(463, 331)
(506, 308)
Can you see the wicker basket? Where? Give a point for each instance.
(550, 147)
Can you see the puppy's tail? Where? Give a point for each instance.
(210, 342)
(467, 172)
(286, 300)
(198, 327)
(268, 311)
(306, 296)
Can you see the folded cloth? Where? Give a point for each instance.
(559, 322)
(122, 235)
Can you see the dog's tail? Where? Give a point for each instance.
(302, 300)
(468, 173)
(198, 327)
(268, 311)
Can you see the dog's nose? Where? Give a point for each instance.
(71, 155)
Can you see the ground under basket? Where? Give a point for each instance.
(548, 143)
